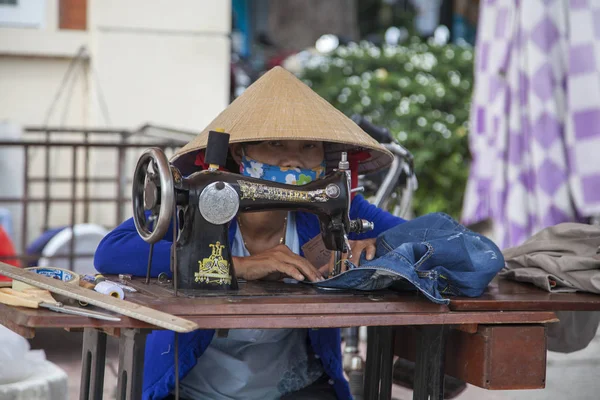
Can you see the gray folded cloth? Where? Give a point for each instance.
(564, 257)
(574, 332)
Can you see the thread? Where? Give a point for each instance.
(110, 289)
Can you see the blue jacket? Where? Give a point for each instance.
(123, 251)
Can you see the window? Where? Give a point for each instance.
(22, 13)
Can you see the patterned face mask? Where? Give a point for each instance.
(274, 173)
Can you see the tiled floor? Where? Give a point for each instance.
(570, 376)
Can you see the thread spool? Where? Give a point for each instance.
(87, 281)
(110, 289)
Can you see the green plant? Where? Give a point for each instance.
(421, 92)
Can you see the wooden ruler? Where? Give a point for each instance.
(127, 308)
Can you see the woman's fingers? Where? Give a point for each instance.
(370, 254)
(367, 246)
(301, 264)
(279, 260)
(290, 270)
(307, 269)
(269, 267)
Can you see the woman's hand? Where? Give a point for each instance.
(275, 264)
(358, 247)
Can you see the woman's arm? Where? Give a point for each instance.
(382, 219)
(123, 251)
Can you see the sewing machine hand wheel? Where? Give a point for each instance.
(146, 195)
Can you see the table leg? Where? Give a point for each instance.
(93, 360)
(429, 363)
(373, 364)
(386, 343)
(438, 360)
(132, 345)
(379, 365)
(421, 379)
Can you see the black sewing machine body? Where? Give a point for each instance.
(205, 203)
(214, 198)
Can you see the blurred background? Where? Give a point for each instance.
(498, 102)
(121, 66)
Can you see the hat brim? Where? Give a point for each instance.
(279, 106)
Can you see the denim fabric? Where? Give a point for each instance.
(433, 254)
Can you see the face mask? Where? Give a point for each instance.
(274, 173)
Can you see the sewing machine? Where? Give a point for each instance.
(204, 203)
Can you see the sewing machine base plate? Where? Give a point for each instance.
(252, 289)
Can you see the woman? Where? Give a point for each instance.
(251, 363)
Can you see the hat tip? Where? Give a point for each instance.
(278, 69)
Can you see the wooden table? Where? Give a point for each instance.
(501, 357)
(506, 295)
(280, 305)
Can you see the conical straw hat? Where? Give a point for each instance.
(278, 106)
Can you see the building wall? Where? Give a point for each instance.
(161, 61)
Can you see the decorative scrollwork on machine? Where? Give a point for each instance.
(214, 269)
(258, 191)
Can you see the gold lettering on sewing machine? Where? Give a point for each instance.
(214, 269)
(260, 191)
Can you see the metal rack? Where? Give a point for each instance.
(80, 142)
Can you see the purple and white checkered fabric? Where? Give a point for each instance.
(535, 118)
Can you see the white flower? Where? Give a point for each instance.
(255, 170)
(290, 179)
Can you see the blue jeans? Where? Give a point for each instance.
(433, 254)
